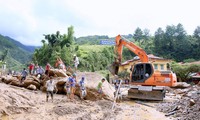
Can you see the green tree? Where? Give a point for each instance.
(138, 34)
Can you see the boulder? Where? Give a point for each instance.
(91, 82)
(60, 82)
(31, 87)
(57, 73)
(7, 79)
(15, 82)
(35, 79)
(28, 82)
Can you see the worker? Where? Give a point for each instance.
(47, 68)
(59, 64)
(119, 96)
(99, 87)
(31, 69)
(24, 73)
(51, 86)
(83, 91)
(76, 62)
(72, 81)
(39, 72)
(67, 88)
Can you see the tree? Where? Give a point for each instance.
(158, 41)
(57, 45)
(183, 71)
(197, 33)
(146, 34)
(138, 35)
(69, 38)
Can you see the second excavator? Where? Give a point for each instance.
(145, 82)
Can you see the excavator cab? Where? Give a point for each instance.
(141, 72)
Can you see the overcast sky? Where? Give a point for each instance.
(27, 20)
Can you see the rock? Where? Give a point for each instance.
(35, 79)
(57, 73)
(29, 82)
(192, 102)
(15, 82)
(181, 85)
(31, 87)
(7, 79)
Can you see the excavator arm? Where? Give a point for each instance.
(120, 42)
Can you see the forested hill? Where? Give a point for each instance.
(25, 47)
(95, 39)
(14, 53)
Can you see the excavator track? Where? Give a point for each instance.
(147, 92)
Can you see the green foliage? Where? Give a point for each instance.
(173, 43)
(189, 60)
(91, 40)
(183, 71)
(57, 45)
(14, 53)
(123, 74)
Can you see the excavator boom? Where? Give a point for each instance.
(120, 42)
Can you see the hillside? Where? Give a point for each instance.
(14, 53)
(95, 39)
(20, 45)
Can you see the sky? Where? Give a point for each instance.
(27, 20)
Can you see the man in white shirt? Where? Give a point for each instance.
(51, 86)
(76, 62)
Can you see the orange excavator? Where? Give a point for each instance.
(145, 82)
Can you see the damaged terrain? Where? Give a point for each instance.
(19, 103)
(182, 103)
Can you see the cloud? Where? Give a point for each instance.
(28, 20)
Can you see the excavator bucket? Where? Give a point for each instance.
(113, 68)
(146, 92)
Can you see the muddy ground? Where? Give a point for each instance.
(18, 103)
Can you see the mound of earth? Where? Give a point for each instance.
(60, 78)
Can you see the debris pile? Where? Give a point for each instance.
(60, 78)
(185, 104)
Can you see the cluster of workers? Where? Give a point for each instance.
(39, 71)
(71, 82)
(35, 70)
(70, 87)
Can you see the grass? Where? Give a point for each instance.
(96, 48)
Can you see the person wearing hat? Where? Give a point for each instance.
(76, 62)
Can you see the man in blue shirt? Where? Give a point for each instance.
(72, 81)
(82, 88)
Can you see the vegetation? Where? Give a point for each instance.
(173, 42)
(15, 54)
(184, 72)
